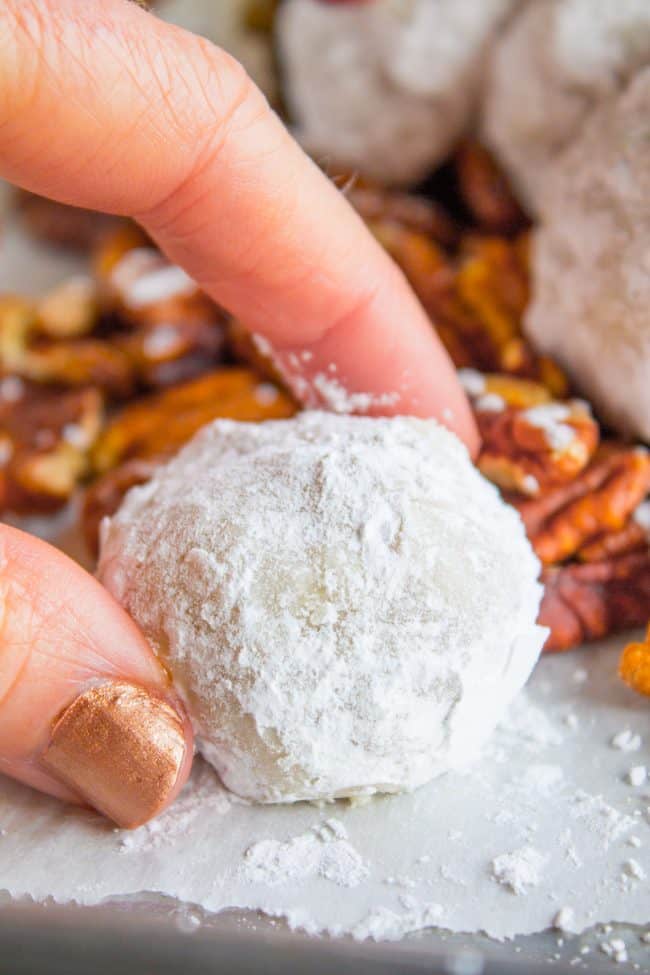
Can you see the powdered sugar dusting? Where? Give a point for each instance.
(318, 852)
(519, 869)
(372, 549)
(340, 400)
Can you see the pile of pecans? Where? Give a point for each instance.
(107, 376)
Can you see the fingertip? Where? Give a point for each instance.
(88, 712)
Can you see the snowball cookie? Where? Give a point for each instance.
(592, 261)
(386, 87)
(554, 63)
(347, 606)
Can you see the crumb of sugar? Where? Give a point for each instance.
(340, 400)
(472, 381)
(530, 484)
(616, 949)
(626, 741)
(634, 841)
(317, 853)
(12, 388)
(637, 775)
(571, 721)
(632, 868)
(580, 675)
(548, 417)
(564, 920)
(642, 515)
(490, 403)
(519, 869)
(602, 819)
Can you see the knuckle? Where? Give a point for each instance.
(217, 100)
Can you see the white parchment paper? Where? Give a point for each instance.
(550, 779)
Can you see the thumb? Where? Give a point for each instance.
(87, 712)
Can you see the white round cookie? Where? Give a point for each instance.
(384, 87)
(555, 62)
(346, 605)
(591, 260)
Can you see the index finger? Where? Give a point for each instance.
(104, 106)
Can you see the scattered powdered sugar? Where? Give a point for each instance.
(542, 779)
(76, 435)
(642, 515)
(548, 417)
(632, 868)
(6, 450)
(527, 722)
(606, 822)
(266, 393)
(338, 399)
(372, 548)
(12, 389)
(616, 949)
(206, 794)
(490, 403)
(626, 741)
(564, 920)
(383, 924)
(472, 381)
(637, 775)
(322, 851)
(143, 277)
(161, 340)
(520, 869)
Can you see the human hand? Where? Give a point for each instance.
(104, 106)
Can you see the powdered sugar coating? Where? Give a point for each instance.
(566, 56)
(346, 604)
(591, 260)
(387, 86)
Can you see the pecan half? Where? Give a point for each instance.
(150, 431)
(529, 450)
(45, 443)
(486, 191)
(599, 500)
(588, 602)
(104, 496)
(634, 665)
(63, 225)
(158, 425)
(69, 310)
(411, 212)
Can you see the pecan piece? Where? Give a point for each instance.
(79, 362)
(633, 537)
(69, 310)
(588, 602)
(104, 496)
(411, 212)
(598, 500)
(72, 362)
(485, 190)
(158, 425)
(45, 442)
(529, 450)
(143, 288)
(150, 431)
(634, 665)
(61, 224)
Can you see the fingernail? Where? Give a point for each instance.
(121, 749)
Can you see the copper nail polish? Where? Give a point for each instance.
(120, 748)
